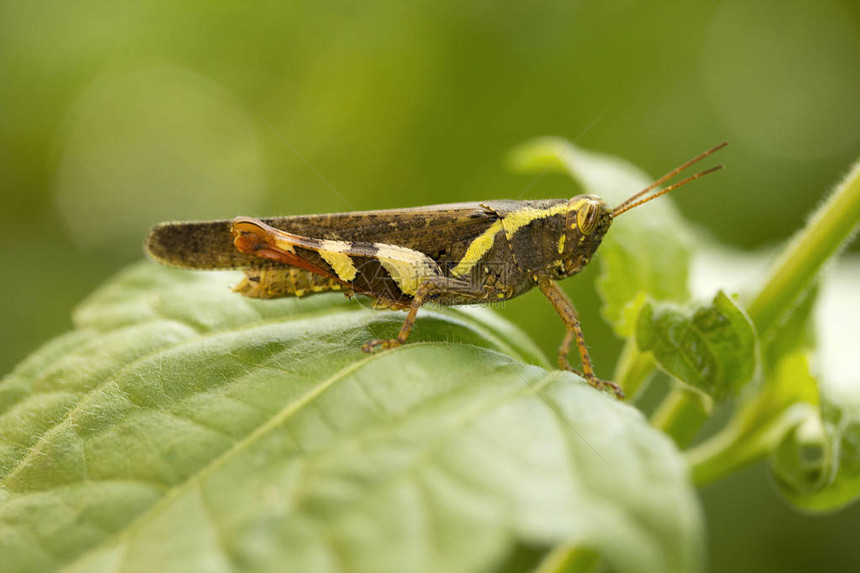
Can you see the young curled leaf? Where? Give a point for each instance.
(840, 463)
(801, 463)
(712, 349)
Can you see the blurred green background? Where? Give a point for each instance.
(117, 115)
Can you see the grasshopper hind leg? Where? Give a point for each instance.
(565, 309)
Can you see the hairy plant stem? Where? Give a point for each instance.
(742, 441)
(829, 229)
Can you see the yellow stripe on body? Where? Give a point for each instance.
(511, 223)
(516, 220)
(409, 268)
(334, 253)
(477, 249)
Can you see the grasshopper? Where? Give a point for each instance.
(453, 254)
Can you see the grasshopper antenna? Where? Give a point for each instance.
(633, 202)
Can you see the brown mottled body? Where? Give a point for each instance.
(453, 254)
(464, 253)
(444, 233)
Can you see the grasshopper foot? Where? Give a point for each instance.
(369, 347)
(606, 385)
(593, 380)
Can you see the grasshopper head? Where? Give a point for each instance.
(588, 219)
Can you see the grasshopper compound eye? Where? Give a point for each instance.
(587, 217)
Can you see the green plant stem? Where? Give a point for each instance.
(568, 559)
(745, 439)
(682, 413)
(742, 442)
(634, 369)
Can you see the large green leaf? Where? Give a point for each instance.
(184, 428)
(646, 251)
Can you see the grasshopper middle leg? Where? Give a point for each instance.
(437, 285)
(408, 323)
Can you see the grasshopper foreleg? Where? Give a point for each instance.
(565, 309)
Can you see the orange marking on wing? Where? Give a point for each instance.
(254, 237)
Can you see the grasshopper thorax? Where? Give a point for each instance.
(587, 220)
